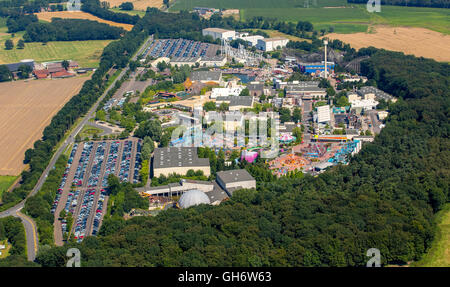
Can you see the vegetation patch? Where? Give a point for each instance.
(6, 182)
(439, 253)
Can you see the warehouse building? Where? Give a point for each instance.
(317, 68)
(306, 92)
(271, 44)
(181, 61)
(232, 180)
(251, 40)
(236, 103)
(218, 33)
(213, 61)
(207, 77)
(178, 160)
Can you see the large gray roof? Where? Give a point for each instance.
(14, 67)
(255, 87)
(295, 88)
(236, 175)
(206, 75)
(379, 94)
(236, 100)
(178, 157)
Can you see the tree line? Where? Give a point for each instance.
(95, 8)
(71, 30)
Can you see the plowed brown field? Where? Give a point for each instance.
(26, 108)
(47, 16)
(138, 4)
(414, 41)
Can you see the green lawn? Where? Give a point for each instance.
(5, 182)
(86, 53)
(89, 131)
(439, 253)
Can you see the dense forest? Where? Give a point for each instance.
(20, 22)
(71, 30)
(385, 198)
(417, 3)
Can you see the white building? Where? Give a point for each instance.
(271, 44)
(181, 61)
(368, 104)
(252, 40)
(382, 115)
(215, 61)
(224, 92)
(218, 33)
(323, 114)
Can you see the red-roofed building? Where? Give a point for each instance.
(62, 74)
(41, 74)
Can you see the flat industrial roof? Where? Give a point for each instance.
(217, 30)
(236, 175)
(178, 157)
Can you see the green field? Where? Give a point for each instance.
(351, 19)
(432, 18)
(133, 12)
(343, 20)
(439, 253)
(5, 182)
(245, 4)
(86, 53)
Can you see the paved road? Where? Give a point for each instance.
(29, 224)
(375, 122)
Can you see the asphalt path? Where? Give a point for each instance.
(30, 225)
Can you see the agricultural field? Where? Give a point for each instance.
(343, 17)
(47, 16)
(138, 4)
(415, 41)
(439, 253)
(26, 108)
(5, 182)
(247, 4)
(86, 53)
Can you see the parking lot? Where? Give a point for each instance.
(180, 48)
(82, 191)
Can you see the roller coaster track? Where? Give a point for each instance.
(355, 64)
